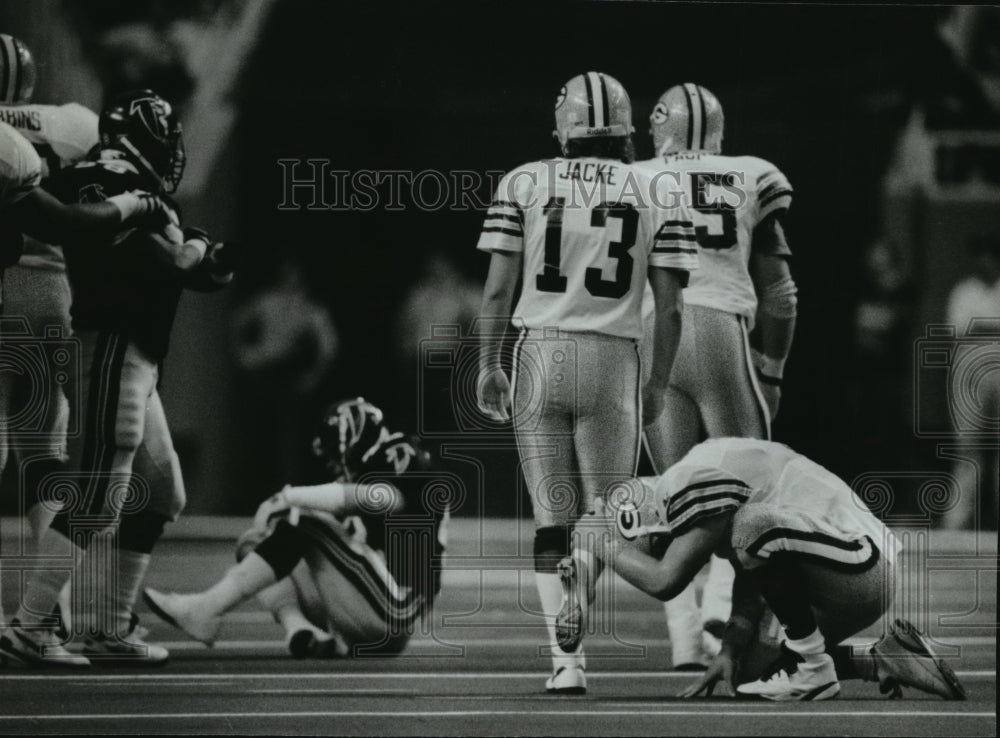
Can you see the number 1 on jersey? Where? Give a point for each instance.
(551, 280)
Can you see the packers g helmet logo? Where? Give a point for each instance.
(659, 113)
(561, 98)
(629, 520)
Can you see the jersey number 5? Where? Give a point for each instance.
(719, 209)
(552, 280)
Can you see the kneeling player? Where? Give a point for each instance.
(345, 567)
(797, 537)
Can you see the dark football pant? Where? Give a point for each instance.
(123, 461)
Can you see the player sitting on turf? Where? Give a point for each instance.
(346, 567)
(797, 536)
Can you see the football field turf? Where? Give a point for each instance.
(477, 669)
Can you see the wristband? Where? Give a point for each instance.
(127, 203)
(771, 369)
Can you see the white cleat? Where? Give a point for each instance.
(794, 679)
(37, 646)
(570, 624)
(567, 680)
(129, 651)
(184, 612)
(904, 657)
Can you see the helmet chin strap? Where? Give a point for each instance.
(125, 143)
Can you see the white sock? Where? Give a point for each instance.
(281, 599)
(43, 588)
(684, 626)
(811, 646)
(244, 580)
(551, 595)
(717, 596)
(119, 597)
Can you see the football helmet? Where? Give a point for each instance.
(687, 117)
(17, 71)
(592, 105)
(143, 126)
(347, 432)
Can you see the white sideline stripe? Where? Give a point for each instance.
(496, 713)
(214, 678)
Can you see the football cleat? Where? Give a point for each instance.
(131, 650)
(793, 677)
(687, 117)
(184, 612)
(904, 657)
(567, 680)
(37, 647)
(312, 644)
(570, 624)
(592, 105)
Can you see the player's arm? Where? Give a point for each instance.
(668, 293)
(344, 498)
(494, 317)
(663, 578)
(776, 293)
(44, 217)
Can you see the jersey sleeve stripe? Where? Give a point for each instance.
(718, 492)
(673, 250)
(500, 229)
(701, 511)
(768, 199)
(7, 68)
(675, 237)
(724, 483)
(503, 216)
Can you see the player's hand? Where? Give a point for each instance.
(654, 400)
(494, 394)
(272, 506)
(720, 671)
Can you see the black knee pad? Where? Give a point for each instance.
(34, 473)
(551, 545)
(140, 531)
(282, 549)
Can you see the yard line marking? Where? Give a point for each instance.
(11, 675)
(495, 713)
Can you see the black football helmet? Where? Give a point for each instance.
(17, 71)
(348, 431)
(143, 126)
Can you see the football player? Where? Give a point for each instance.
(797, 536)
(346, 567)
(36, 287)
(716, 388)
(582, 233)
(125, 295)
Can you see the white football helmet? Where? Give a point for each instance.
(592, 105)
(687, 117)
(17, 71)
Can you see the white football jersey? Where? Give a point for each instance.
(588, 229)
(730, 196)
(819, 513)
(62, 135)
(20, 167)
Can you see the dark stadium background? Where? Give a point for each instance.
(822, 91)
